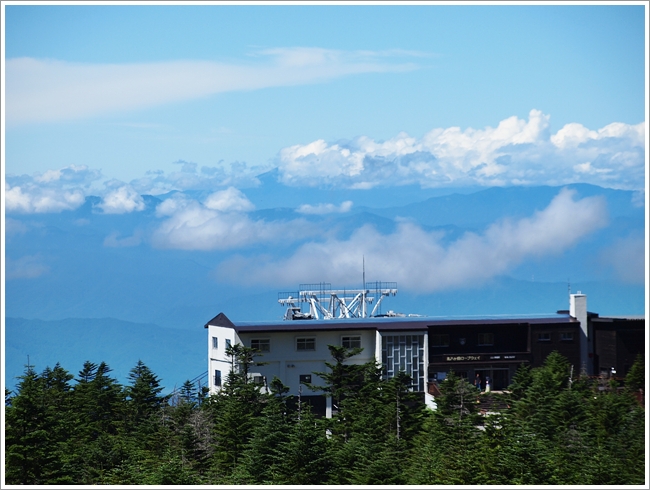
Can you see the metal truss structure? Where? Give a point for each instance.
(327, 303)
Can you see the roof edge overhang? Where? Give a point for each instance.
(221, 320)
(384, 325)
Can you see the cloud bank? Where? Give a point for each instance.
(190, 177)
(419, 262)
(326, 208)
(66, 189)
(516, 152)
(39, 90)
(220, 223)
(122, 200)
(52, 191)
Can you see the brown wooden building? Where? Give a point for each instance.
(617, 342)
(496, 347)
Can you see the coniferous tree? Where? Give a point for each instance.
(26, 450)
(38, 422)
(388, 416)
(521, 381)
(635, 378)
(558, 430)
(263, 457)
(58, 420)
(352, 389)
(143, 394)
(537, 406)
(305, 458)
(448, 445)
(344, 384)
(99, 404)
(233, 411)
(144, 436)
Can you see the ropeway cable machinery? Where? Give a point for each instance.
(327, 303)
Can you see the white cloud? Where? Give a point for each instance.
(113, 240)
(26, 267)
(188, 178)
(72, 174)
(227, 200)
(516, 152)
(190, 225)
(124, 199)
(51, 90)
(587, 168)
(35, 199)
(574, 134)
(51, 191)
(328, 208)
(66, 189)
(418, 261)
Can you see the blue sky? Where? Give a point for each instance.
(124, 101)
(224, 84)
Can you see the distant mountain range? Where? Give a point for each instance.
(161, 298)
(173, 355)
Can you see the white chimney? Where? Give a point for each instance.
(578, 310)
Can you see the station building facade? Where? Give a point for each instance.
(428, 348)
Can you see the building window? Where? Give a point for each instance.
(544, 337)
(262, 345)
(566, 336)
(217, 378)
(440, 340)
(306, 343)
(404, 353)
(305, 378)
(351, 342)
(259, 380)
(215, 342)
(486, 339)
(228, 343)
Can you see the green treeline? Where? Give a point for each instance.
(91, 430)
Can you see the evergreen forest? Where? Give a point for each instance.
(553, 429)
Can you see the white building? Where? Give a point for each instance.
(293, 350)
(426, 348)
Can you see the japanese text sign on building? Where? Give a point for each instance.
(463, 358)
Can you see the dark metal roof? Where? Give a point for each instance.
(221, 320)
(620, 318)
(387, 323)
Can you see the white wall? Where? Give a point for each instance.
(287, 363)
(578, 310)
(217, 358)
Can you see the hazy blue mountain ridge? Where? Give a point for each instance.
(72, 268)
(174, 355)
(487, 206)
(176, 288)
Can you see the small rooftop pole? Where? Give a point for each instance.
(363, 296)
